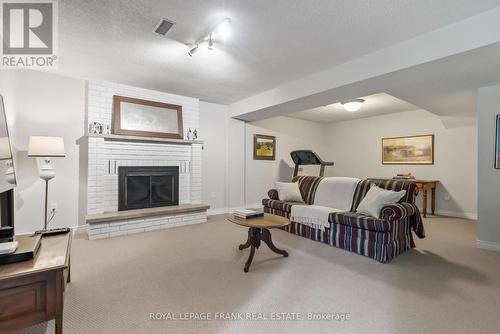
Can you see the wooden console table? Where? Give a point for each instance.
(32, 291)
(423, 185)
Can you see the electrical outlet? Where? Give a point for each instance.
(214, 194)
(53, 207)
(447, 197)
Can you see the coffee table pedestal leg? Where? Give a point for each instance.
(266, 237)
(255, 235)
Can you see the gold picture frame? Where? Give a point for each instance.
(408, 150)
(264, 147)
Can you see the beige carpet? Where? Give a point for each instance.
(446, 285)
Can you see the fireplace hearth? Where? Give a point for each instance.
(147, 187)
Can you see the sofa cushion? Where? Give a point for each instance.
(279, 205)
(394, 185)
(376, 198)
(308, 186)
(361, 221)
(288, 191)
(336, 192)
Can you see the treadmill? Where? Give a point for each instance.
(308, 157)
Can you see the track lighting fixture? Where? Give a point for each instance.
(219, 33)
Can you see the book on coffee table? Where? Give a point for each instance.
(248, 213)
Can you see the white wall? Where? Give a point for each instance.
(39, 103)
(214, 132)
(355, 147)
(291, 134)
(235, 188)
(488, 233)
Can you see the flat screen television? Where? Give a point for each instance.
(7, 180)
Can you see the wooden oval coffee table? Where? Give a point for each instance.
(258, 230)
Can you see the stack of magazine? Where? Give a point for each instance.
(248, 213)
(404, 176)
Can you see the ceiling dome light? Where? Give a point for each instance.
(353, 105)
(193, 50)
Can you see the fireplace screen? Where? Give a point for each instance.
(147, 187)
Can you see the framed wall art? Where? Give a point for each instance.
(409, 150)
(264, 147)
(136, 117)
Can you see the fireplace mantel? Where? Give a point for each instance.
(144, 139)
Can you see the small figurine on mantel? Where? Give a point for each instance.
(189, 135)
(195, 134)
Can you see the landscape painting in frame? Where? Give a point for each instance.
(410, 150)
(497, 144)
(264, 147)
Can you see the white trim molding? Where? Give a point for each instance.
(216, 211)
(488, 245)
(456, 214)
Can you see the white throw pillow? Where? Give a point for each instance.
(376, 198)
(288, 191)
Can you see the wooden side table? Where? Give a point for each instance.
(258, 230)
(426, 185)
(32, 291)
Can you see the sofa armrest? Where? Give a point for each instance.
(395, 212)
(273, 194)
(398, 211)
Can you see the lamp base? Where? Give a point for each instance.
(47, 171)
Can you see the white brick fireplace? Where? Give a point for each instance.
(107, 153)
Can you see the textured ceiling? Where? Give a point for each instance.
(374, 105)
(273, 42)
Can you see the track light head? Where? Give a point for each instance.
(210, 42)
(192, 50)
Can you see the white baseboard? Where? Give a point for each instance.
(488, 245)
(456, 214)
(218, 211)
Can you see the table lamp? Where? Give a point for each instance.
(46, 148)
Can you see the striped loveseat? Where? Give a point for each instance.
(380, 238)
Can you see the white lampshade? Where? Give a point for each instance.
(40, 146)
(5, 149)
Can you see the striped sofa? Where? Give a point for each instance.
(381, 238)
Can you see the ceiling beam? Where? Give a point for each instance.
(328, 86)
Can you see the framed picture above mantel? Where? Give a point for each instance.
(136, 117)
(408, 150)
